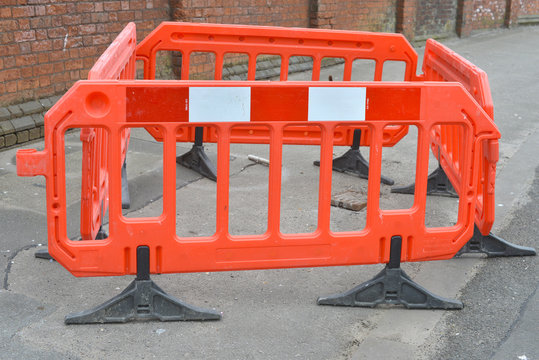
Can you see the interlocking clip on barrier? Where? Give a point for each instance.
(454, 120)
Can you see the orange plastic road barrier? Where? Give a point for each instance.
(450, 105)
(252, 41)
(443, 64)
(114, 106)
(116, 63)
(439, 64)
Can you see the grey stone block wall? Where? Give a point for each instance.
(24, 122)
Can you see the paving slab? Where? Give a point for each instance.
(31, 107)
(6, 127)
(15, 110)
(23, 123)
(4, 114)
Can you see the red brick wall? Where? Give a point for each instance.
(254, 12)
(46, 45)
(529, 7)
(292, 13)
(368, 15)
(488, 14)
(435, 17)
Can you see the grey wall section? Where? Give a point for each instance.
(436, 18)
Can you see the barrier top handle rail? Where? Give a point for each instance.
(270, 40)
(117, 57)
(443, 64)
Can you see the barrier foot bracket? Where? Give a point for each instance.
(101, 234)
(142, 300)
(43, 254)
(353, 162)
(196, 158)
(438, 184)
(126, 200)
(391, 286)
(493, 246)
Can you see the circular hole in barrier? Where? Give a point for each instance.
(300, 41)
(210, 37)
(242, 38)
(271, 40)
(358, 44)
(55, 206)
(330, 42)
(97, 104)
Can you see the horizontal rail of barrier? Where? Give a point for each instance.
(252, 41)
(442, 64)
(114, 106)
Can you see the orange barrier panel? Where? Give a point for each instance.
(116, 63)
(251, 41)
(443, 64)
(115, 105)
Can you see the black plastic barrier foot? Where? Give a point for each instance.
(101, 234)
(391, 287)
(197, 160)
(353, 162)
(438, 184)
(493, 246)
(142, 300)
(43, 254)
(126, 200)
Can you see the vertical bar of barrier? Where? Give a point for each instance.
(375, 162)
(317, 61)
(347, 74)
(275, 170)
(251, 69)
(186, 56)
(284, 67)
(115, 182)
(169, 178)
(378, 70)
(223, 179)
(422, 167)
(219, 57)
(324, 187)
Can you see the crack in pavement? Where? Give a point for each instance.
(10, 262)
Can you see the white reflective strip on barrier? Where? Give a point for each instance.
(219, 104)
(337, 104)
